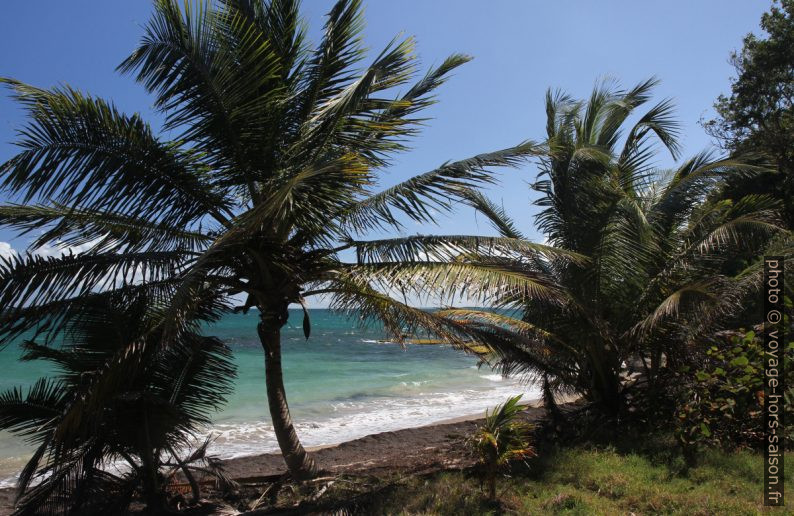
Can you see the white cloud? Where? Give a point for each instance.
(6, 251)
(48, 250)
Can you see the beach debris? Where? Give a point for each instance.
(256, 503)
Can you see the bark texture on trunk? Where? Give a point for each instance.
(301, 466)
(491, 481)
(156, 502)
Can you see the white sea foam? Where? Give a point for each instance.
(338, 392)
(493, 377)
(353, 419)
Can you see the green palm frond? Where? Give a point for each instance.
(27, 413)
(80, 151)
(341, 120)
(419, 96)
(658, 121)
(495, 214)
(432, 248)
(212, 75)
(37, 280)
(418, 197)
(692, 182)
(358, 297)
(621, 106)
(46, 320)
(331, 67)
(512, 323)
(76, 227)
(485, 281)
(692, 294)
(90, 414)
(280, 21)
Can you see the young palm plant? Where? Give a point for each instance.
(658, 248)
(117, 397)
(269, 172)
(501, 439)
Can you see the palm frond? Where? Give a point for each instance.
(107, 230)
(495, 214)
(418, 197)
(487, 281)
(431, 248)
(37, 280)
(331, 68)
(80, 151)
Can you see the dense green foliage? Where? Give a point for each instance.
(112, 402)
(655, 252)
(757, 118)
(722, 402)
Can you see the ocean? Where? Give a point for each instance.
(341, 384)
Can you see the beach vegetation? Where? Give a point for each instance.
(501, 439)
(643, 475)
(661, 249)
(262, 184)
(721, 403)
(757, 117)
(122, 415)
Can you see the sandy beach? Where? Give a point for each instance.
(411, 450)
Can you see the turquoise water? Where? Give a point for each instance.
(341, 384)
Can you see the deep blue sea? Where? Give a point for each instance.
(341, 384)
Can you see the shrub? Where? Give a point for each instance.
(723, 401)
(501, 439)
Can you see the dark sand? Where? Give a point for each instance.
(411, 450)
(439, 445)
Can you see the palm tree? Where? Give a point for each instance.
(269, 173)
(657, 246)
(501, 439)
(89, 415)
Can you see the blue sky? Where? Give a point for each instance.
(520, 49)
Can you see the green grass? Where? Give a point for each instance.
(644, 479)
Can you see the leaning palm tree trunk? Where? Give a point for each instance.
(301, 465)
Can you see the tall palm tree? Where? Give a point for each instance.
(657, 245)
(269, 171)
(117, 396)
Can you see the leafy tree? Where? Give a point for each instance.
(501, 439)
(722, 401)
(758, 117)
(118, 396)
(654, 251)
(266, 171)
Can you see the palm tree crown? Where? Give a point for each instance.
(655, 244)
(117, 397)
(271, 172)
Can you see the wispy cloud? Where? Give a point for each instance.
(57, 249)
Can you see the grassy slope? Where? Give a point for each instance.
(643, 479)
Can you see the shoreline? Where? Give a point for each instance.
(529, 404)
(406, 450)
